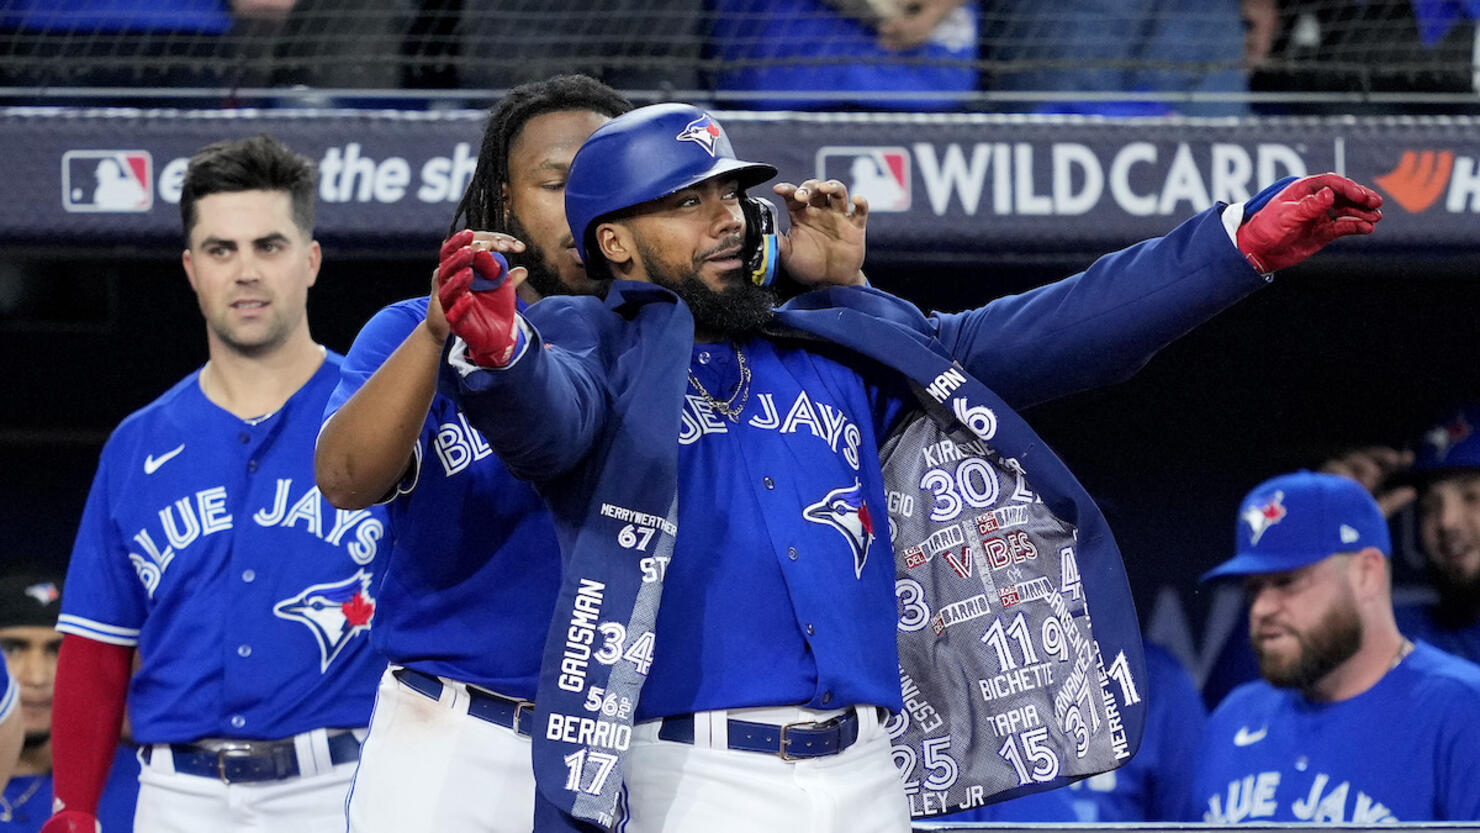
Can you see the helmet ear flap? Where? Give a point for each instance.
(760, 252)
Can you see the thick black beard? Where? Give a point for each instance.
(739, 309)
(1334, 640)
(541, 278)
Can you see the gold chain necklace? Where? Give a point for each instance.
(730, 408)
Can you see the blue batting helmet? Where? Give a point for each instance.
(645, 154)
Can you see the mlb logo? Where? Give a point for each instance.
(107, 181)
(879, 174)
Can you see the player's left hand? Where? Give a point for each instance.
(1301, 219)
(825, 245)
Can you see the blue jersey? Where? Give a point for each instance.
(809, 429)
(475, 568)
(28, 797)
(1406, 749)
(205, 542)
(1421, 622)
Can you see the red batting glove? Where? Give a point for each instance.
(72, 821)
(478, 299)
(1303, 218)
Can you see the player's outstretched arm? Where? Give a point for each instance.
(87, 721)
(368, 444)
(825, 244)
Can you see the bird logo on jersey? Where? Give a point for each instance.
(1262, 516)
(1447, 436)
(335, 612)
(702, 132)
(845, 510)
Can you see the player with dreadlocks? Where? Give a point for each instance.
(475, 566)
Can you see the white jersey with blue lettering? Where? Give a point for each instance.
(206, 544)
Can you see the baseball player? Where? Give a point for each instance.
(28, 607)
(205, 544)
(1352, 722)
(475, 568)
(29, 603)
(1444, 477)
(726, 626)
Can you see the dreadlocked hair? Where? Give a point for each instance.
(482, 205)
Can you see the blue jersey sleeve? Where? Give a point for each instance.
(1101, 325)
(558, 384)
(104, 598)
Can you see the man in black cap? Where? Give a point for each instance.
(29, 602)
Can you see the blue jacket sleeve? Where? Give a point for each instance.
(1103, 324)
(542, 413)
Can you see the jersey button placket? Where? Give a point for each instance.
(237, 721)
(791, 552)
(244, 651)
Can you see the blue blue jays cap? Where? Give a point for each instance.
(1452, 444)
(645, 154)
(1295, 520)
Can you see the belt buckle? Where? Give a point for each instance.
(830, 723)
(230, 751)
(519, 709)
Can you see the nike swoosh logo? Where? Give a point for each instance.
(152, 463)
(1244, 737)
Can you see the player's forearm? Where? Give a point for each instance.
(366, 446)
(87, 718)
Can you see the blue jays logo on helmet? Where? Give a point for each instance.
(335, 612)
(845, 510)
(644, 155)
(702, 131)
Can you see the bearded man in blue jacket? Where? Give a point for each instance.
(724, 646)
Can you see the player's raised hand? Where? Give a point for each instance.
(72, 821)
(1372, 467)
(1303, 217)
(436, 321)
(825, 245)
(475, 289)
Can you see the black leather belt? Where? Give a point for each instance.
(484, 705)
(792, 741)
(252, 760)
